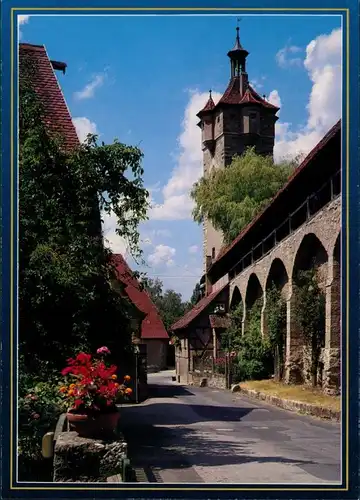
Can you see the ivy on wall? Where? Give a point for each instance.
(276, 327)
(310, 314)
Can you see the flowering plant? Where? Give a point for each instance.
(91, 384)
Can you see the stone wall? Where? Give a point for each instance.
(318, 239)
(212, 379)
(78, 459)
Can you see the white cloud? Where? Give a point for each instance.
(176, 200)
(285, 56)
(162, 255)
(111, 239)
(89, 90)
(256, 84)
(22, 20)
(84, 127)
(274, 98)
(323, 64)
(193, 249)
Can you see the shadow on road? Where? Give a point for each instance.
(164, 448)
(159, 436)
(167, 391)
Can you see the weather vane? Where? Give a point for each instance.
(238, 21)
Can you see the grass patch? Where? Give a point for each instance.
(294, 392)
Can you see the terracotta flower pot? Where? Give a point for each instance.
(100, 425)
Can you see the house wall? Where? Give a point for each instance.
(189, 339)
(156, 354)
(182, 361)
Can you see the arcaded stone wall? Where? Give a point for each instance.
(317, 239)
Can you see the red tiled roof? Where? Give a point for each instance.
(46, 85)
(232, 95)
(152, 326)
(196, 310)
(332, 132)
(210, 105)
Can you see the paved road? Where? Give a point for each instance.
(203, 435)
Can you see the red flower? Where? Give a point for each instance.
(83, 358)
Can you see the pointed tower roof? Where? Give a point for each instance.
(209, 106)
(232, 95)
(238, 50)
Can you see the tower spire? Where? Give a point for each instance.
(238, 55)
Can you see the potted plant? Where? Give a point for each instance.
(92, 391)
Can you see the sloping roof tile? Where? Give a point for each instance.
(196, 310)
(232, 95)
(152, 326)
(209, 106)
(46, 86)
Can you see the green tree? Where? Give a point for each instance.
(233, 196)
(231, 338)
(169, 303)
(196, 295)
(65, 298)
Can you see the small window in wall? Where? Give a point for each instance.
(213, 253)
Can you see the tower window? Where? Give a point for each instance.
(218, 119)
(213, 253)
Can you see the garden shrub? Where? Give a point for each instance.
(310, 312)
(276, 325)
(254, 359)
(39, 407)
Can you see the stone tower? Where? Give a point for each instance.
(241, 119)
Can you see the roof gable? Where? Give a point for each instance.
(191, 315)
(152, 326)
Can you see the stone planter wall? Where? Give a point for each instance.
(78, 459)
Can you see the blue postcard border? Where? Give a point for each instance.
(350, 243)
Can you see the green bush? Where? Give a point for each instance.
(254, 360)
(39, 407)
(276, 323)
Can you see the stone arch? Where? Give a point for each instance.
(236, 298)
(278, 278)
(254, 293)
(311, 255)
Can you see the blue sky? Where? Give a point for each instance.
(142, 79)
